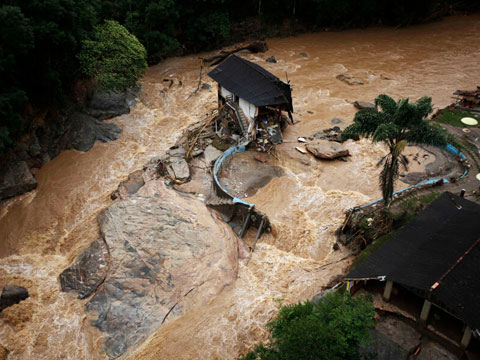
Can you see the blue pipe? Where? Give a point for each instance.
(218, 165)
(450, 149)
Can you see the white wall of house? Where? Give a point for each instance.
(224, 92)
(250, 110)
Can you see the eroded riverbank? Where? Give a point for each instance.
(43, 231)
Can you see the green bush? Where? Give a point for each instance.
(334, 328)
(114, 57)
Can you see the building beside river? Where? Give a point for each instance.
(430, 268)
(255, 96)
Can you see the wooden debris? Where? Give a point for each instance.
(254, 47)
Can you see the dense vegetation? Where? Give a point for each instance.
(41, 39)
(114, 57)
(334, 328)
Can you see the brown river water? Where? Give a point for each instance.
(41, 232)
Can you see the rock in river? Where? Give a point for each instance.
(88, 271)
(349, 79)
(12, 295)
(15, 179)
(328, 150)
(168, 254)
(108, 104)
(363, 105)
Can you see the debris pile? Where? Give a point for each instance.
(468, 100)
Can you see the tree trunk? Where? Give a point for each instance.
(388, 176)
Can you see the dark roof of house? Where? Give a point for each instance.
(441, 245)
(252, 83)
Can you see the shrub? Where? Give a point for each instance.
(114, 57)
(334, 328)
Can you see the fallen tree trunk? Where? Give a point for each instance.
(254, 47)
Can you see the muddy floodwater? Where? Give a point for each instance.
(42, 232)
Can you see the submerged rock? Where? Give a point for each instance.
(349, 79)
(12, 295)
(167, 254)
(16, 179)
(328, 150)
(271, 59)
(88, 271)
(363, 105)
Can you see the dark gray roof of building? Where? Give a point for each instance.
(252, 83)
(440, 245)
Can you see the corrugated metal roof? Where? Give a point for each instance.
(252, 83)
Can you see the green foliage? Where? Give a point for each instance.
(114, 57)
(453, 117)
(335, 327)
(396, 124)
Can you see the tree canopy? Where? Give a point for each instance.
(114, 57)
(396, 124)
(334, 328)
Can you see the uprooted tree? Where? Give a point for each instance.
(396, 124)
(334, 328)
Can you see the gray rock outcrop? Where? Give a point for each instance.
(168, 254)
(108, 104)
(88, 271)
(16, 179)
(327, 150)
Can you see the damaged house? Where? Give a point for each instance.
(430, 270)
(253, 102)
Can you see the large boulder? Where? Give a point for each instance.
(168, 254)
(85, 130)
(12, 295)
(88, 271)
(108, 104)
(16, 179)
(327, 150)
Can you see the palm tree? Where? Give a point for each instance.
(395, 124)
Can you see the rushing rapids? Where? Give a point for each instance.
(43, 231)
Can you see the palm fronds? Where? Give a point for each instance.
(396, 124)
